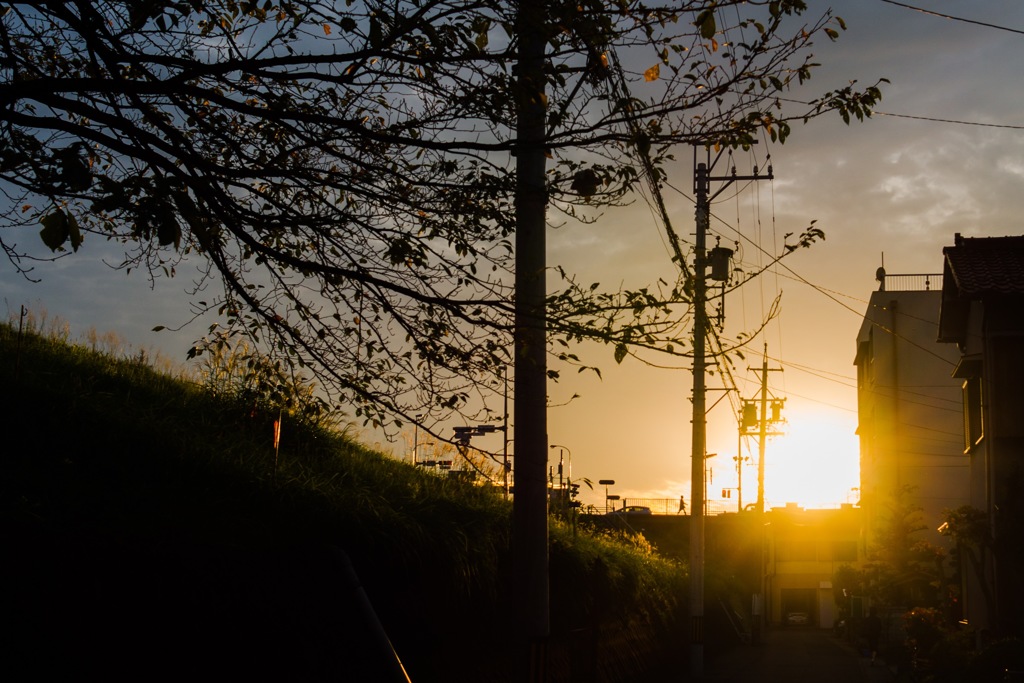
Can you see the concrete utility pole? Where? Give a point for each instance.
(699, 442)
(762, 433)
(751, 418)
(702, 180)
(739, 472)
(529, 506)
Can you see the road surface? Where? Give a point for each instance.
(796, 655)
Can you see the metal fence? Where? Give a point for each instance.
(912, 282)
(670, 506)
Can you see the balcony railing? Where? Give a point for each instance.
(911, 282)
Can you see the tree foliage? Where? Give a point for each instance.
(344, 169)
(904, 569)
(231, 368)
(971, 532)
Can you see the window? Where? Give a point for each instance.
(791, 550)
(973, 428)
(1004, 371)
(844, 551)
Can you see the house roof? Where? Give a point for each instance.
(976, 268)
(979, 266)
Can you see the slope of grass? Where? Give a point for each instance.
(149, 534)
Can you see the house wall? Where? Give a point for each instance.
(909, 411)
(804, 549)
(1001, 453)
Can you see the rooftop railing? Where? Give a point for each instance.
(911, 282)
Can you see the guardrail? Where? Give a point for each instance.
(671, 506)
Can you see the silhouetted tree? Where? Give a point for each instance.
(906, 571)
(344, 169)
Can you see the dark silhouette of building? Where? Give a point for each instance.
(982, 312)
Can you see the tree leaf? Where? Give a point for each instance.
(74, 234)
(706, 24)
(620, 352)
(55, 230)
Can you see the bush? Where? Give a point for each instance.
(924, 628)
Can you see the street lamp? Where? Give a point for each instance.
(606, 483)
(416, 437)
(415, 450)
(562, 451)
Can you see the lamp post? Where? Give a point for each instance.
(562, 451)
(606, 483)
(415, 451)
(416, 437)
(505, 467)
(707, 479)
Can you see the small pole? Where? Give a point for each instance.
(17, 353)
(504, 446)
(277, 441)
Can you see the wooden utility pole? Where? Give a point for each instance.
(529, 507)
(702, 180)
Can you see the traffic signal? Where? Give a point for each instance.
(462, 435)
(574, 490)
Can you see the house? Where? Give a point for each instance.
(803, 549)
(982, 313)
(908, 405)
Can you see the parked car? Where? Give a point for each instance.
(630, 510)
(797, 619)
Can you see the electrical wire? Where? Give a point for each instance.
(950, 16)
(875, 112)
(937, 120)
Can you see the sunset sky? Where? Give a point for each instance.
(899, 185)
(944, 154)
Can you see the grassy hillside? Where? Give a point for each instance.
(149, 538)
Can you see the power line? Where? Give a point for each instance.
(777, 263)
(950, 16)
(937, 120)
(845, 409)
(933, 119)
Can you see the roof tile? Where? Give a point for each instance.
(987, 265)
